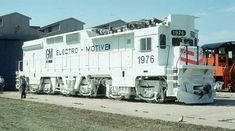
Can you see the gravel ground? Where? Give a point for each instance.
(219, 114)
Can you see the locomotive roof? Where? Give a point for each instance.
(217, 45)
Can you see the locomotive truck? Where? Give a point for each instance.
(152, 60)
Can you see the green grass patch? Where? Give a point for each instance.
(20, 115)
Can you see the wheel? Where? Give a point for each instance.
(119, 98)
(161, 95)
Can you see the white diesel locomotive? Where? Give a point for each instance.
(152, 60)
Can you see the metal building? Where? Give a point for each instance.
(63, 26)
(14, 30)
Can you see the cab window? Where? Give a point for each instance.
(162, 41)
(176, 41)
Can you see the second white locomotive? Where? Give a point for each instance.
(151, 60)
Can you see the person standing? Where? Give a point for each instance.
(23, 85)
(2, 84)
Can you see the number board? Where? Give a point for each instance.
(178, 32)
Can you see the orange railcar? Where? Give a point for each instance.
(221, 55)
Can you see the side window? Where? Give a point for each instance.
(73, 38)
(145, 44)
(230, 54)
(163, 41)
(128, 43)
(1, 22)
(54, 40)
(53, 28)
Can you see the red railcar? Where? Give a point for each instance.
(221, 55)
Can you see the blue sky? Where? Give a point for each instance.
(216, 22)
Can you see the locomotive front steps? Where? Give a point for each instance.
(172, 77)
(171, 70)
(171, 74)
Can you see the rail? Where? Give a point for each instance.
(185, 48)
(197, 55)
(232, 74)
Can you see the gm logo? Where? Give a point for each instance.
(49, 55)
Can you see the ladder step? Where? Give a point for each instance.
(172, 84)
(172, 81)
(171, 71)
(172, 77)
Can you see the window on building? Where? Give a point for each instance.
(54, 28)
(73, 38)
(162, 41)
(145, 44)
(49, 29)
(1, 22)
(54, 40)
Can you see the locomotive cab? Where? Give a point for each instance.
(193, 77)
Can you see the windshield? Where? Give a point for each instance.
(182, 41)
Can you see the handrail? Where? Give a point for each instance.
(225, 67)
(186, 54)
(232, 67)
(180, 56)
(231, 72)
(197, 55)
(168, 53)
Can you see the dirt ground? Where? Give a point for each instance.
(219, 114)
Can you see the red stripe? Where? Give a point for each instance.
(189, 61)
(188, 52)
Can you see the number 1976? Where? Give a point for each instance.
(146, 59)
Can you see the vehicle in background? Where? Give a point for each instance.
(222, 56)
